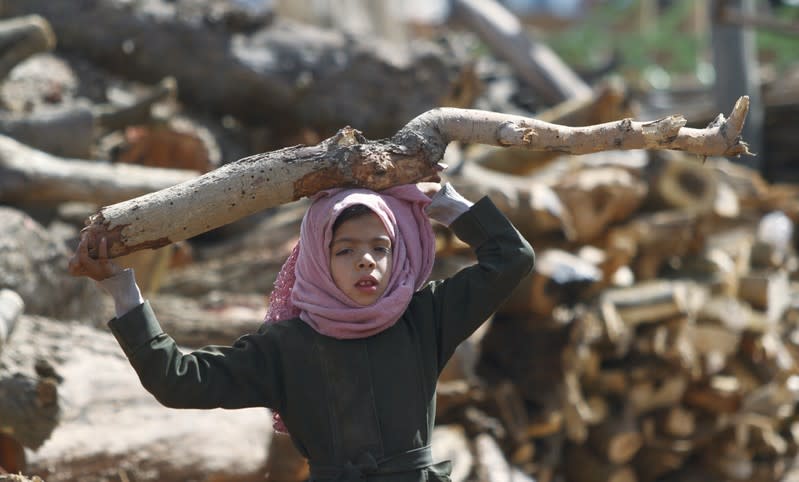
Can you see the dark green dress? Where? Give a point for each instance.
(359, 409)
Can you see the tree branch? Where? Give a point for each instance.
(347, 159)
(720, 138)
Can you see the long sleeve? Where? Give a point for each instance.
(124, 290)
(464, 301)
(246, 374)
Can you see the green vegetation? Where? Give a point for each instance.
(668, 42)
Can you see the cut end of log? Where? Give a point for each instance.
(97, 229)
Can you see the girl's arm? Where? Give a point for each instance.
(246, 374)
(464, 301)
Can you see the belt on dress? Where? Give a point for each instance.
(366, 464)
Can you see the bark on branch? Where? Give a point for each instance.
(347, 159)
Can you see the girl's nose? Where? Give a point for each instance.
(366, 261)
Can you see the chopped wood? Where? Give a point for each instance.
(559, 278)
(720, 394)
(652, 462)
(286, 74)
(533, 61)
(21, 38)
(678, 183)
(651, 240)
(647, 395)
(647, 302)
(64, 131)
(284, 462)
(676, 422)
(12, 455)
(95, 438)
(30, 175)
(767, 291)
(596, 198)
(11, 307)
(585, 466)
(617, 438)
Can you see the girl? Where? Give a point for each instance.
(355, 340)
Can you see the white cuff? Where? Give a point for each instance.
(123, 288)
(447, 204)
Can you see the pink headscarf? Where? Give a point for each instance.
(305, 288)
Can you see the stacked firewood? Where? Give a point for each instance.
(656, 339)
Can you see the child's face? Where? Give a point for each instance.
(360, 258)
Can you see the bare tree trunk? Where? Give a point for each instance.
(347, 159)
(533, 61)
(287, 75)
(29, 175)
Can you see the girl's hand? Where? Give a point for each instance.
(81, 264)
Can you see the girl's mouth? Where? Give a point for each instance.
(367, 284)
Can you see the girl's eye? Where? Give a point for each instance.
(383, 249)
(343, 252)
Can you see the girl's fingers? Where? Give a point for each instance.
(103, 251)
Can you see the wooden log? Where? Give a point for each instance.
(284, 74)
(29, 408)
(766, 353)
(767, 291)
(534, 62)
(596, 198)
(512, 346)
(653, 239)
(21, 38)
(30, 175)
(576, 412)
(143, 440)
(651, 463)
(348, 159)
(11, 307)
(646, 395)
(617, 439)
(678, 183)
(719, 394)
(64, 131)
(676, 422)
(649, 302)
(534, 208)
(663, 339)
(512, 411)
(545, 424)
(559, 278)
(450, 443)
(284, 463)
(491, 464)
(12, 455)
(584, 466)
(70, 131)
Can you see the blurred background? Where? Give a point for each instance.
(656, 340)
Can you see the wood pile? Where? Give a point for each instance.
(657, 337)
